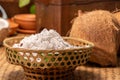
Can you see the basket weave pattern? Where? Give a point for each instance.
(48, 64)
(49, 74)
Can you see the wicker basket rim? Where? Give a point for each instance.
(48, 50)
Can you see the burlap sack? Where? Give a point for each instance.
(101, 28)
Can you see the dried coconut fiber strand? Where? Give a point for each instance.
(117, 16)
(101, 28)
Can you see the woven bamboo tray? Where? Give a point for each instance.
(14, 72)
(48, 64)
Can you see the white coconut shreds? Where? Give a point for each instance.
(47, 39)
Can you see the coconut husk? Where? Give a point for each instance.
(117, 16)
(116, 13)
(101, 28)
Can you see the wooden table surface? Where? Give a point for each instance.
(14, 72)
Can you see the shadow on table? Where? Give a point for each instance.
(78, 75)
(86, 75)
(15, 75)
(90, 64)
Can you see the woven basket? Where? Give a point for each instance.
(48, 64)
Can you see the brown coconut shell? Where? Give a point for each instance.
(101, 28)
(117, 16)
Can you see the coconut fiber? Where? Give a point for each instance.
(117, 15)
(101, 28)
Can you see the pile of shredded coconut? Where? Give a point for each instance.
(47, 39)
